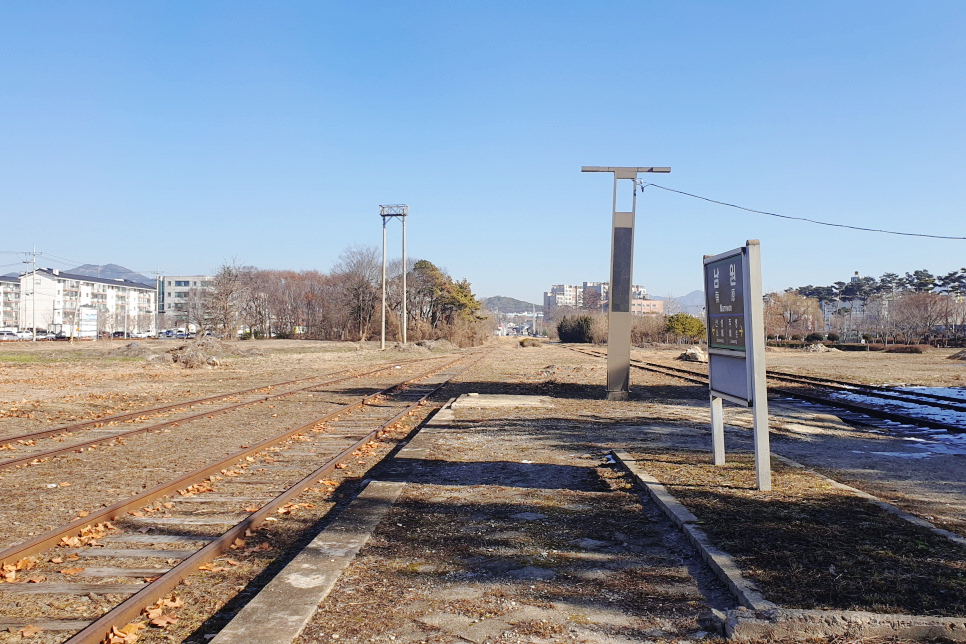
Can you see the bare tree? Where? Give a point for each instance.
(224, 297)
(591, 300)
(361, 270)
(672, 305)
(917, 313)
(789, 313)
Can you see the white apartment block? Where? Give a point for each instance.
(10, 303)
(179, 294)
(51, 299)
(563, 295)
(573, 295)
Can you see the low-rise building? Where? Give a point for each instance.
(52, 299)
(181, 299)
(9, 302)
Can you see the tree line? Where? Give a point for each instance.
(573, 324)
(917, 307)
(344, 304)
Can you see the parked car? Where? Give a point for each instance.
(9, 335)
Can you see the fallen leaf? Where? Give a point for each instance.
(211, 567)
(36, 579)
(71, 571)
(30, 631)
(163, 620)
(27, 563)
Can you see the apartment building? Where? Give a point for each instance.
(54, 300)
(563, 295)
(181, 298)
(573, 295)
(9, 303)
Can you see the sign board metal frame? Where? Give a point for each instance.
(736, 347)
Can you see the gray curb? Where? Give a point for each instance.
(767, 621)
(888, 507)
(721, 562)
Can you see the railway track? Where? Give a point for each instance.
(881, 401)
(29, 452)
(140, 548)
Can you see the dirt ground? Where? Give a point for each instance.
(47, 384)
(932, 368)
(58, 382)
(470, 558)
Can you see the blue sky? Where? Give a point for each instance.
(179, 135)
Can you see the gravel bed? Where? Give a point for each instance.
(42, 496)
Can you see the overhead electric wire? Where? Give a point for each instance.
(811, 221)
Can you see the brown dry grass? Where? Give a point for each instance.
(809, 544)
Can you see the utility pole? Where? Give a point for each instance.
(399, 211)
(33, 285)
(621, 280)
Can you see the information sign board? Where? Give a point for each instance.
(736, 347)
(87, 322)
(725, 303)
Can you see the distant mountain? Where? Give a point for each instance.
(111, 272)
(693, 302)
(501, 304)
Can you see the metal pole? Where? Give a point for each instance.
(383, 345)
(405, 213)
(621, 283)
(33, 307)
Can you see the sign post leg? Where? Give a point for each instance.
(717, 430)
(756, 367)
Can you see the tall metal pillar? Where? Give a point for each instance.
(383, 341)
(621, 282)
(404, 269)
(399, 211)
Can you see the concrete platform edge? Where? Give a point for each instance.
(885, 505)
(282, 609)
(767, 621)
(721, 562)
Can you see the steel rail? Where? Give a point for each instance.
(42, 542)
(131, 609)
(831, 402)
(155, 410)
(29, 458)
(779, 375)
(873, 411)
